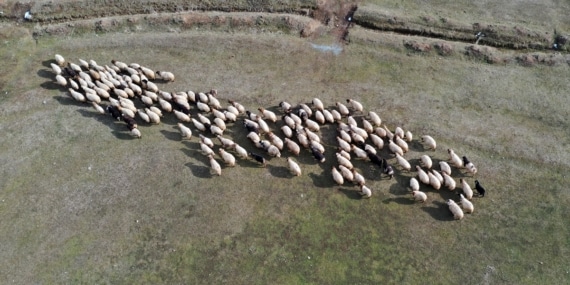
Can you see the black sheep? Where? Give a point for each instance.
(388, 170)
(317, 154)
(258, 158)
(465, 161)
(250, 127)
(480, 189)
(114, 111)
(376, 159)
(131, 123)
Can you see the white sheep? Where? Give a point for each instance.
(76, 95)
(154, 117)
(242, 152)
(422, 175)
(389, 133)
(401, 143)
(318, 104)
(429, 142)
(275, 140)
(289, 122)
(444, 167)
(227, 143)
(377, 141)
(303, 140)
(60, 60)
(156, 110)
(328, 116)
(455, 159)
(294, 167)
(365, 191)
(381, 132)
(220, 123)
(414, 184)
(101, 92)
(360, 153)
(232, 110)
(215, 165)
(344, 154)
(466, 189)
(136, 133)
(219, 114)
(228, 158)
(399, 132)
(448, 181)
(185, 131)
(263, 126)
(230, 116)
(434, 181)
(425, 161)
(128, 112)
(198, 125)
(268, 115)
(206, 149)
(370, 149)
(344, 162)
(166, 76)
(316, 145)
(394, 148)
(312, 125)
(60, 80)
(215, 130)
(375, 118)
(148, 73)
(254, 137)
(206, 140)
(143, 115)
(92, 97)
(455, 210)
(285, 107)
(214, 102)
(342, 109)
(346, 173)
(292, 146)
(203, 119)
(56, 69)
(273, 151)
(98, 107)
(403, 162)
(238, 106)
(337, 116)
(367, 126)
(351, 121)
(287, 131)
(408, 136)
(466, 204)
(307, 109)
(355, 105)
(337, 176)
(319, 117)
(203, 107)
(182, 117)
(419, 196)
(358, 178)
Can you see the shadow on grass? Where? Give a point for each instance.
(351, 193)
(51, 85)
(118, 129)
(400, 200)
(47, 63)
(400, 187)
(47, 74)
(279, 171)
(173, 136)
(439, 212)
(200, 171)
(68, 101)
(322, 180)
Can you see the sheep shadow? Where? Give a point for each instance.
(400, 187)
(199, 171)
(279, 171)
(51, 85)
(47, 63)
(322, 180)
(173, 136)
(351, 193)
(400, 200)
(440, 212)
(68, 101)
(46, 73)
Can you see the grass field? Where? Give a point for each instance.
(83, 202)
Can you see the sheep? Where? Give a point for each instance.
(254, 137)
(185, 131)
(101, 92)
(424, 178)
(342, 109)
(355, 105)
(275, 140)
(228, 158)
(343, 144)
(285, 107)
(469, 165)
(198, 125)
(289, 122)
(203, 119)
(76, 95)
(375, 118)
(403, 162)
(454, 159)
(437, 175)
(357, 138)
(241, 151)
(376, 159)
(154, 117)
(148, 72)
(318, 155)
(268, 114)
(98, 108)
(344, 135)
(156, 110)
(367, 126)
(480, 189)
(389, 133)
(312, 125)
(59, 60)
(220, 124)
(377, 141)
(164, 95)
(287, 131)
(56, 69)
(166, 76)
(429, 142)
(381, 132)
(297, 119)
(206, 149)
(328, 116)
(434, 181)
(401, 143)
(230, 116)
(466, 204)
(360, 153)
(408, 136)
(60, 80)
(294, 167)
(466, 189)
(319, 117)
(448, 181)
(136, 133)
(215, 165)
(214, 102)
(203, 107)
(370, 149)
(346, 173)
(394, 148)
(358, 178)
(120, 93)
(146, 100)
(251, 125)
(306, 109)
(365, 191)
(273, 151)
(219, 114)
(388, 170)
(149, 85)
(131, 123)
(258, 158)
(73, 84)
(226, 143)
(444, 167)
(115, 112)
(343, 161)
(337, 176)
(206, 140)
(318, 104)
(425, 161)
(238, 106)
(119, 64)
(292, 146)
(103, 86)
(455, 209)
(143, 115)
(419, 196)
(399, 132)
(203, 97)
(263, 125)
(344, 154)
(414, 184)
(303, 140)
(131, 113)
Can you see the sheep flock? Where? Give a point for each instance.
(129, 93)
